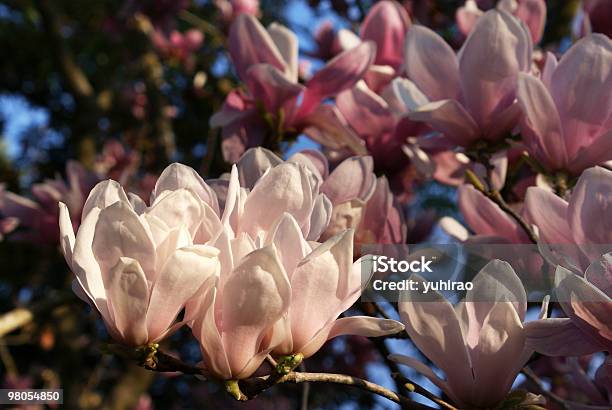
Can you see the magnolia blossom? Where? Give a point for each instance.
(531, 12)
(270, 274)
(485, 218)
(478, 344)
(35, 220)
(234, 316)
(324, 283)
(568, 113)
(469, 97)
(578, 230)
(386, 25)
(353, 194)
(267, 62)
(137, 265)
(587, 302)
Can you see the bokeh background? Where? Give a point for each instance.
(108, 88)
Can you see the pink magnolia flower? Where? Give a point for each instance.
(324, 283)
(531, 12)
(485, 218)
(386, 25)
(35, 220)
(275, 103)
(393, 139)
(383, 219)
(353, 195)
(266, 270)
(568, 113)
(234, 316)
(580, 229)
(469, 97)
(587, 303)
(359, 200)
(137, 265)
(479, 344)
(349, 187)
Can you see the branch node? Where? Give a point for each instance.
(233, 389)
(287, 364)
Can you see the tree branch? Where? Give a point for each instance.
(153, 73)
(418, 389)
(558, 400)
(153, 359)
(343, 379)
(77, 80)
(496, 197)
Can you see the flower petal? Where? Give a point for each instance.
(119, 232)
(287, 43)
(176, 176)
(181, 277)
(255, 296)
(434, 328)
(549, 213)
(558, 337)
(355, 325)
(128, 295)
(485, 217)
(67, 238)
(431, 64)
(597, 153)
(323, 276)
(541, 125)
(353, 179)
(104, 194)
(319, 219)
(495, 52)
(289, 242)
(288, 188)
(254, 163)
(269, 86)
(250, 43)
(366, 112)
(590, 211)
(580, 87)
(450, 118)
(340, 73)
(386, 24)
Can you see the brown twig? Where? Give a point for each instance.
(153, 359)
(153, 74)
(77, 80)
(343, 379)
(531, 376)
(418, 389)
(496, 197)
(560, 401)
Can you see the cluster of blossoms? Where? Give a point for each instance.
(266, 260)
(250, 274)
